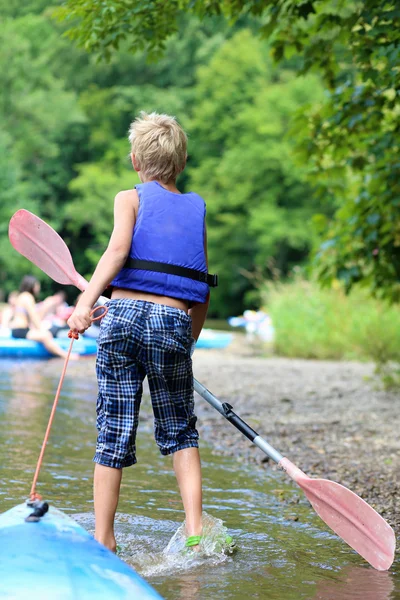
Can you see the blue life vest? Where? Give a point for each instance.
(167, 254)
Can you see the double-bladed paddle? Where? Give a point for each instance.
(347, 514)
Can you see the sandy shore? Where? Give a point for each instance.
(330, 418)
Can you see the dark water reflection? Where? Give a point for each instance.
(357, 582)
(286, 553)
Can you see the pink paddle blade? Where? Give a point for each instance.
(39, 243)
(357, 523)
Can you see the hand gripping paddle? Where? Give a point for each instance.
(347, 514)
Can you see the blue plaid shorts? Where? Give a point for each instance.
(139, 338)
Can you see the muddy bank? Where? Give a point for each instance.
(329, 418)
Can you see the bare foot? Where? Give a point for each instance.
(108, 542)
(74, 356)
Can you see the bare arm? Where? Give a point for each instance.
(199, 311)
(125, 210)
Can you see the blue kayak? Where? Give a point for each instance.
(86, 346)
(214, 339)
(56, 559)
(20, 348)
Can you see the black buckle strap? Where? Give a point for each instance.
(159, 267)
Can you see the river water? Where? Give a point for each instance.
(285, 551)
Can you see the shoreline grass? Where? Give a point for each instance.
(311, 322)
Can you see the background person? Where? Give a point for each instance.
(55, 311)
(26, 322)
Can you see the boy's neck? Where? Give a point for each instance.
(170, 186)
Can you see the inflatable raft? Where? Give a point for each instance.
(213, 339)
(85, 346)
(17, 348)
(56, 559)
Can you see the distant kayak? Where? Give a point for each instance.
(85, 346)
(20, 348)
(56, 559)
(214, 339)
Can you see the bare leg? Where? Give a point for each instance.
(107, 483)
(44, 336)
(188, 474)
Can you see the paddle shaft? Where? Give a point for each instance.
(226, 411)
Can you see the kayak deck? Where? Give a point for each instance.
(57, 558)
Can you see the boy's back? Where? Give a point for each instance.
(168, 245)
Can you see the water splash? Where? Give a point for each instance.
(213, 541)
(175, 558)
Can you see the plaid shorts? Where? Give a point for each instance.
(139, 338)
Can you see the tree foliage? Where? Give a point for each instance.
(259, 202)
(64, 149)
(351, 141)
(38, 119)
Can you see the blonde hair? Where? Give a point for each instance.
(159, 145)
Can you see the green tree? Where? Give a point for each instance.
(39, 132)
(37, 113)
(12, 189)
(63, 148)
(258, 200)
(354, 137)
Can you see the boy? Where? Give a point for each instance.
(156, 263)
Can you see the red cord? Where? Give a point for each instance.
(74, 336)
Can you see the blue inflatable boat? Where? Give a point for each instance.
(56, 559)
(19, 348)
(86, 346)
(214, 339)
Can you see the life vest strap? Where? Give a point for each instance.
(160, 267)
